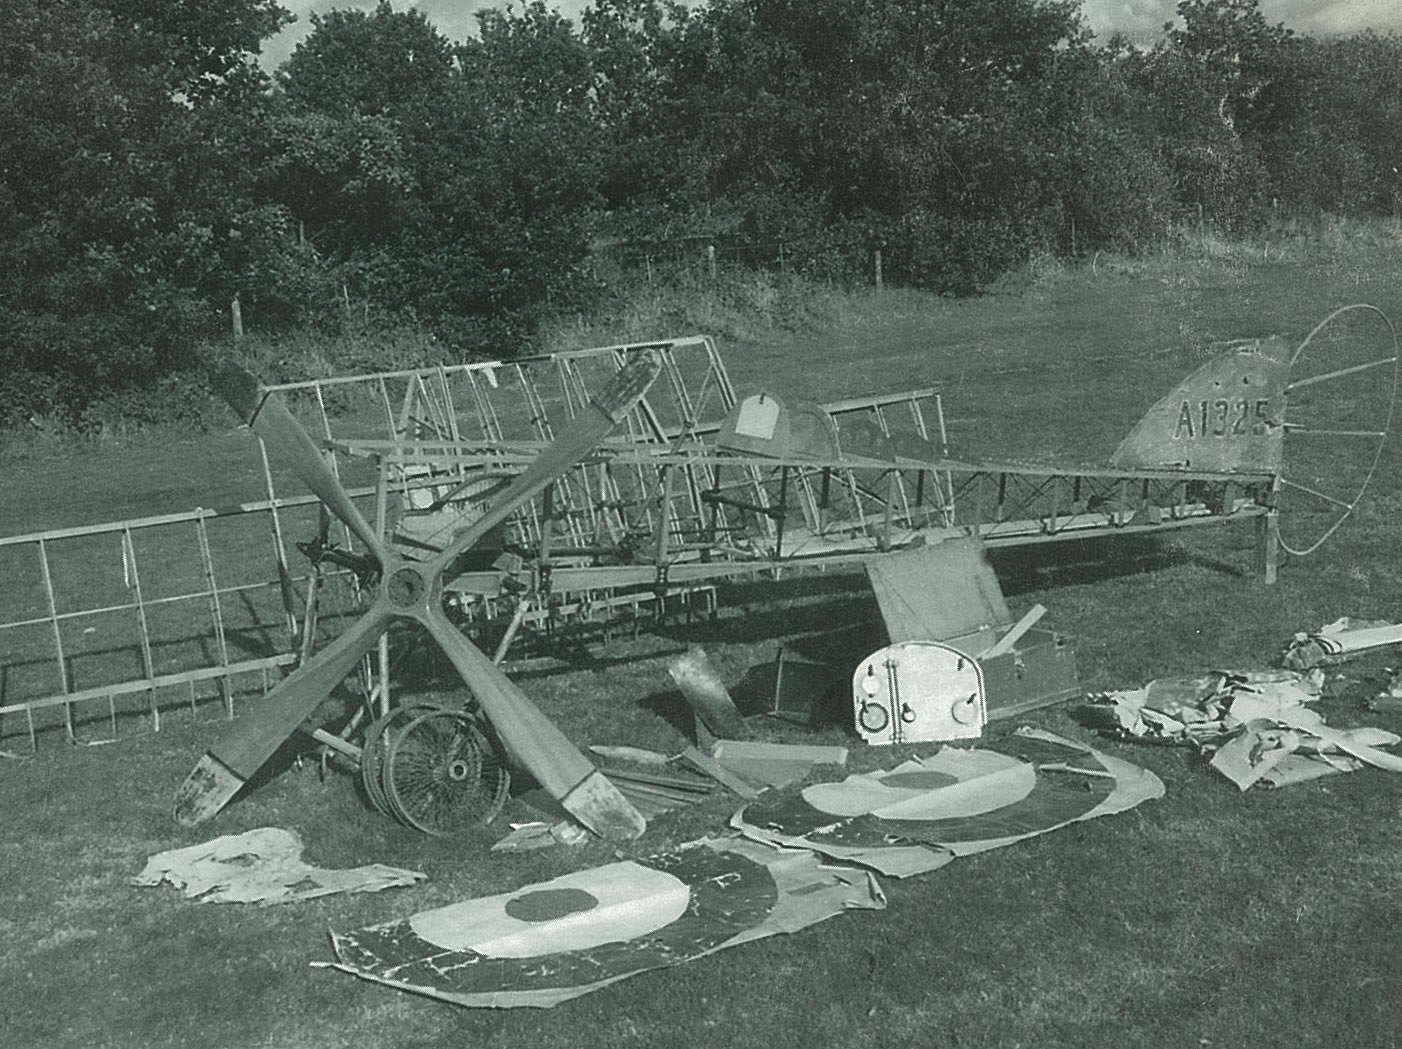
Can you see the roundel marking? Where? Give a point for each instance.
(619, 901)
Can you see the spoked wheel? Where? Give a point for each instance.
(375, 750)
(441, 774)
(1340, 399)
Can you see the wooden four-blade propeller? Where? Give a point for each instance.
(414, 590)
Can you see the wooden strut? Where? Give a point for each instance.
(1268, 545)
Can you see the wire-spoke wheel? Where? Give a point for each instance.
(1340, 396)
(375, 749)
(441, 774)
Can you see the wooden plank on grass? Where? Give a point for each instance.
(711, 767)
(691, 784)
(775, 764)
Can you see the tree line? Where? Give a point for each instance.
(152, 173)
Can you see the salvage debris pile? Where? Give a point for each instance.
(1258, 725)
(799, 856)
(796, 857)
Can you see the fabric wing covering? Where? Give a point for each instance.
(555, 940)
(261, 866)
(922, 814)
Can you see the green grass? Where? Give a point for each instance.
(1209, 918)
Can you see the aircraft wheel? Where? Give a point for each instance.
(442, 774)
(374, 750)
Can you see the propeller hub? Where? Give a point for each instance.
(405, 587)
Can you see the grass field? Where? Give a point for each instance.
(1209, 918)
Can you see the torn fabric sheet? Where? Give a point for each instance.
(261, 866)
(1281, 753)
(1338, 641)
(925, 812)
(556, 940)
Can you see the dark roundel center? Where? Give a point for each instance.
(924, 779)
(548, 904)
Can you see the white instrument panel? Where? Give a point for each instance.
(914, 691)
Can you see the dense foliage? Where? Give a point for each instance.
(152, 174)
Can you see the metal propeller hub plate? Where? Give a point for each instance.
(405, 587)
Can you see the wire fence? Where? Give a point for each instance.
(710, 258)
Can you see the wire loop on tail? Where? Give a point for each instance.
(1347, 505)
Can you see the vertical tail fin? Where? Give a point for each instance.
(1227, 417)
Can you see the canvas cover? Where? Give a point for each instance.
(939, 592)
(261, 866)
(555, 940)
(923, 813)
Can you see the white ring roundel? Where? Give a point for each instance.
(575, 912)
(964, 784)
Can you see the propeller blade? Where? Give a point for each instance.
(535, 742)
(252, 739)
(271, 420)
(583, 434)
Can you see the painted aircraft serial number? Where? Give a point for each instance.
(1222, 418)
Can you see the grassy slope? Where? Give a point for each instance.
(1209, 918)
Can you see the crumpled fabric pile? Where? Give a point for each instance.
(261, 866)
(1257, 725)
(1206, 709)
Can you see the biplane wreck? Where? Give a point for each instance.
(485, 500)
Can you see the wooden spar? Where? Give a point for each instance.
(1008, 640)
(722, 775)
(160, 681)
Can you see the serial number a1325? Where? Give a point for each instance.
(1222, 418)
